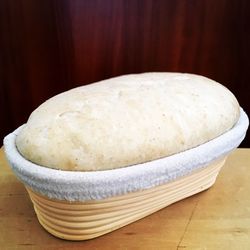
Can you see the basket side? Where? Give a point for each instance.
(90, 219)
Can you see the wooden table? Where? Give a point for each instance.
(218, 218)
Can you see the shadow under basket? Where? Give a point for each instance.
(90, 219)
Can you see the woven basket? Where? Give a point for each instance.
(86, 220)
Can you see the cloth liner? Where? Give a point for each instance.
(97, 185)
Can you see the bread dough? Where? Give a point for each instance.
(127, 120)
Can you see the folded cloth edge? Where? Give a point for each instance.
(97, 185)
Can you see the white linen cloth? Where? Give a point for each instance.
(96, 185)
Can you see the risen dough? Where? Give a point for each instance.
(127, 120)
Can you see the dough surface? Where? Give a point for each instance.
(127, 120)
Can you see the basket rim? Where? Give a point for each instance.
(88, 185)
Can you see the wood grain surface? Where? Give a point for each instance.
(218, 218)
(49, 46)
